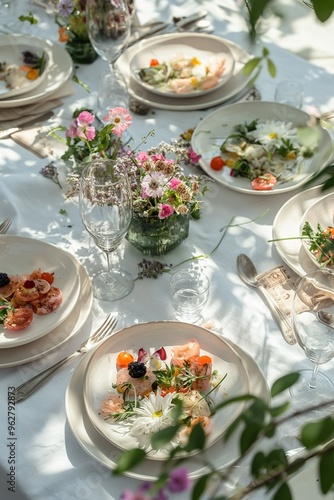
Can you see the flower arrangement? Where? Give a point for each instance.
(70, 15)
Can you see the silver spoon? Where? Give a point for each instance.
(248, 273)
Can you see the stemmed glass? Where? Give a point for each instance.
(106, 212)
(313, 323)
(109, 28)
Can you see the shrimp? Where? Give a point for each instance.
(185, 352)
(113, 403)
(141, 386)
(216, 66)
(201, 370)
(205, 422)
(183, 85)
(209, 82)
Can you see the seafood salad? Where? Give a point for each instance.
(148, 388)
(184, 75)
(22, 296)
(16, 77)
(320, 243)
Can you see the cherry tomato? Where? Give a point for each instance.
(154, 62)
(18, 318)
(204, 360)
(217, 163)
(49, 277)
(123, 359)
(264, 182)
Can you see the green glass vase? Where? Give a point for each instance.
(81, 51)
(158, 236)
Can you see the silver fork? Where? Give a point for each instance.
(4, 226)
(103, 332)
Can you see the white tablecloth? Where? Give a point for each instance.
(49, 463)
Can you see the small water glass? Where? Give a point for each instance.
(291, 93)
(112, 92)
(189, 292)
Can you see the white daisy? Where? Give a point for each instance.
(153, 414)
(270, 133)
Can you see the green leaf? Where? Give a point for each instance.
(251, 65)
(256, 413)
(275, 411)
(129, 459)
(200, 487)
(258, 465)
(271, 68)
(230, 430)
(283, 493)
(265, 52)
(284, 383)
(270, 430)
(249, 436)
(161, 438)
(276, 458)
(196, 439)
(323, 9)
(317, 433)
(326, 468)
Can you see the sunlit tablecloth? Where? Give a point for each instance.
(49, 463)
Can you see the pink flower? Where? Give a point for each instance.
(178, 480)
(153, 184)
(142, 156)
(165, 210)
(193, 157)
(174, 182)
(121, 119)
(81, 127)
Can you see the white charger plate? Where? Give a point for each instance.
(101, 374)
(21, 255)
(204, 48)
(229, 90)
(321, 212)
(60, 70)
(219, 454)
(286, 229)
(11, 53)
(217, 126)
(35, 350)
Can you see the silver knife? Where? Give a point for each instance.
(171, 27)
(30, 120)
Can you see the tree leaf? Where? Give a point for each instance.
(323, 9)
(196, 439)
(283, 493)
(317, 433)
(275, 411)
(258, 465)
(271, 68)
(284, 383)
(200, 487)
(326, 468)
(249, 436)
(165, 436)
(128, 459)
(251, 65)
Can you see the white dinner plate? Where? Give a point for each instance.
(321, 212)
(230, 89)
(71, 326)
(206, 49)
(60, 70)
(21, 255)
(286, 229)
(219, 454)
(11, 53)
(101, 375)
(211, 132)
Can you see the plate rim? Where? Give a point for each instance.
(20, 341)
(295, 244)
(60, 57)
(155, 326)
(42, 346)
(83, 430)
(192, 104)
(246, 190)
(224, 78)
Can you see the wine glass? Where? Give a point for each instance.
(109, 28)
(106, 212)
(313, 323)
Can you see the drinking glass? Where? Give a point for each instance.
(313, 323)
(290, 92)
(106, 212)
(109, 28)
(189, 292)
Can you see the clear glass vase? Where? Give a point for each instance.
(158, 236)
(81, 51)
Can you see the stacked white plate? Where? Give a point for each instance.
(314, 206)
(94, 377)
(20, 255)
(58, 69)
(163, 48)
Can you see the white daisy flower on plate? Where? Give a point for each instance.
(270, 133)
(153, 414)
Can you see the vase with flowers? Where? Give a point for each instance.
(70, 15)
(164, 197)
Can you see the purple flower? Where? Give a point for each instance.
(178, 480)
(193, 157)
(65, 7)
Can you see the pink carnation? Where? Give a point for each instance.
(142, 156)
(174, 182)
(81, 127)
(165, 210)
